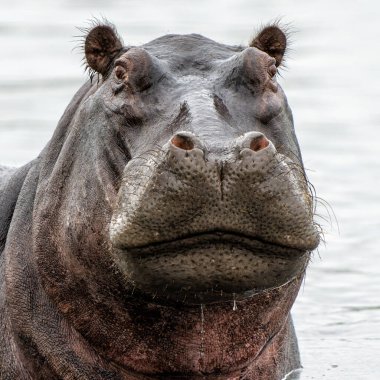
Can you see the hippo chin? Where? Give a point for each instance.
(164, 231)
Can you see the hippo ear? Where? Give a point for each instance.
(273, 41)
(101, 46)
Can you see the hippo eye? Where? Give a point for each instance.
(121, 73)
(272, 70)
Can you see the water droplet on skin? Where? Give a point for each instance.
(201, 348)
(202, 319)
(234, 307)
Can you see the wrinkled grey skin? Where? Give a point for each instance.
(173, 181)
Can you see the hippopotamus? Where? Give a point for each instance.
(165, 229)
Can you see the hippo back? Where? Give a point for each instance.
(11, 180)
(5, 173)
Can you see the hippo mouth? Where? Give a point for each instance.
(210, 267)
(199, 239)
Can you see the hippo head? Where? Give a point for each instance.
(212, 201)
(174, 186)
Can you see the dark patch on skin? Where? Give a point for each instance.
(181, 119)
(222, 109)
(165, 230)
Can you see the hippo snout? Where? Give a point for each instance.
(186, 187)
(239, 211)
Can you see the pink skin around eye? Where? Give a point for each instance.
(120, 72)
(272, 70)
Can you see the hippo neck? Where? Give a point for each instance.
(255, 339)
(277, 358)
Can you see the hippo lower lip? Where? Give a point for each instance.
(212, 266)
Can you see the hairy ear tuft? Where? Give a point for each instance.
(101, 46)
(273, 41)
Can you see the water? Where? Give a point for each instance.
(332, 83)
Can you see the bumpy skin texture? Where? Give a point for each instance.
(164, 231)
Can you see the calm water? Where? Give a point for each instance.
(333, 86)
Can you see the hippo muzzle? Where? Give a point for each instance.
(197, 226)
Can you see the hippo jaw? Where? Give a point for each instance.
(210, 267)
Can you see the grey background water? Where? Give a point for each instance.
(333, 86)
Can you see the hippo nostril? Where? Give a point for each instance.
(183, 142)
(258, 143)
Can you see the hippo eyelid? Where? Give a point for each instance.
(121, 73)
(272, 70)
(122, 62)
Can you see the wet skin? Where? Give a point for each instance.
(165, 229)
